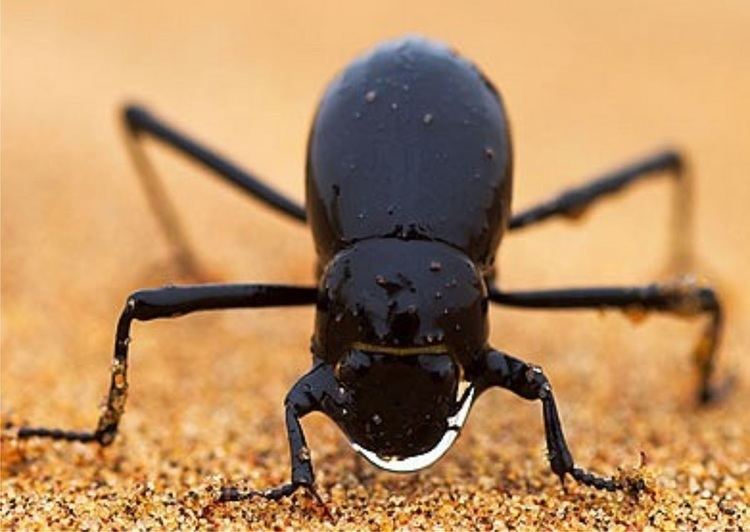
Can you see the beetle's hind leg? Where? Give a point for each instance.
(682, 254)
(572, 203)
(530, 382)
(182, 251)
(168, 302)
(138, 122)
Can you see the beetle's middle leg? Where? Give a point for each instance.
(573, 202)
(168, 302)
(138, 121)
(681, 298)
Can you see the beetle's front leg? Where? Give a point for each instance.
(168, 302)
(529, 382)
(303, 398)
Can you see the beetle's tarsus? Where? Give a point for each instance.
(632, 486)
(274, 494)
(715, 393)
(231, 494)
(594, 481)
(25, 433)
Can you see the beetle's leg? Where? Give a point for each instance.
(306, 396)
(168, 302)
(682, 298)
(139, 121)
(529, 382)
(573, 202)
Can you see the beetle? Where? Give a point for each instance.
(408, 195)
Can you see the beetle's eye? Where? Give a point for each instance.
(355, 365)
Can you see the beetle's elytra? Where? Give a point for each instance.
(409, 185)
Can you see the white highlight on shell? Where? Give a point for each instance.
(420, 461)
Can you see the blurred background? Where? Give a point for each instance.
(588, 85)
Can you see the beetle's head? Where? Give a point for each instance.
(396, 320)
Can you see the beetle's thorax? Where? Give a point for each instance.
(401, 297)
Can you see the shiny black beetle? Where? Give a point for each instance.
(409, 179)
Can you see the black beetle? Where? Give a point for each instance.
(409, 181)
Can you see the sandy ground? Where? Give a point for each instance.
(587, 85)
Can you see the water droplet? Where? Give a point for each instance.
(635, 313)
(338, 317)
(377, 419)
(427, 118)
(532, 372)
(458, 327)
(357, 115)
(435, 266)
(438, 295)
(489, 153)
(370, 96)
(394, 106)
(304, 454)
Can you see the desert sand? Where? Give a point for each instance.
(588, 85)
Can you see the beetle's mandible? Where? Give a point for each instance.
(409, 185)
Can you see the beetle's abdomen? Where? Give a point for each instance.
(410, 141)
